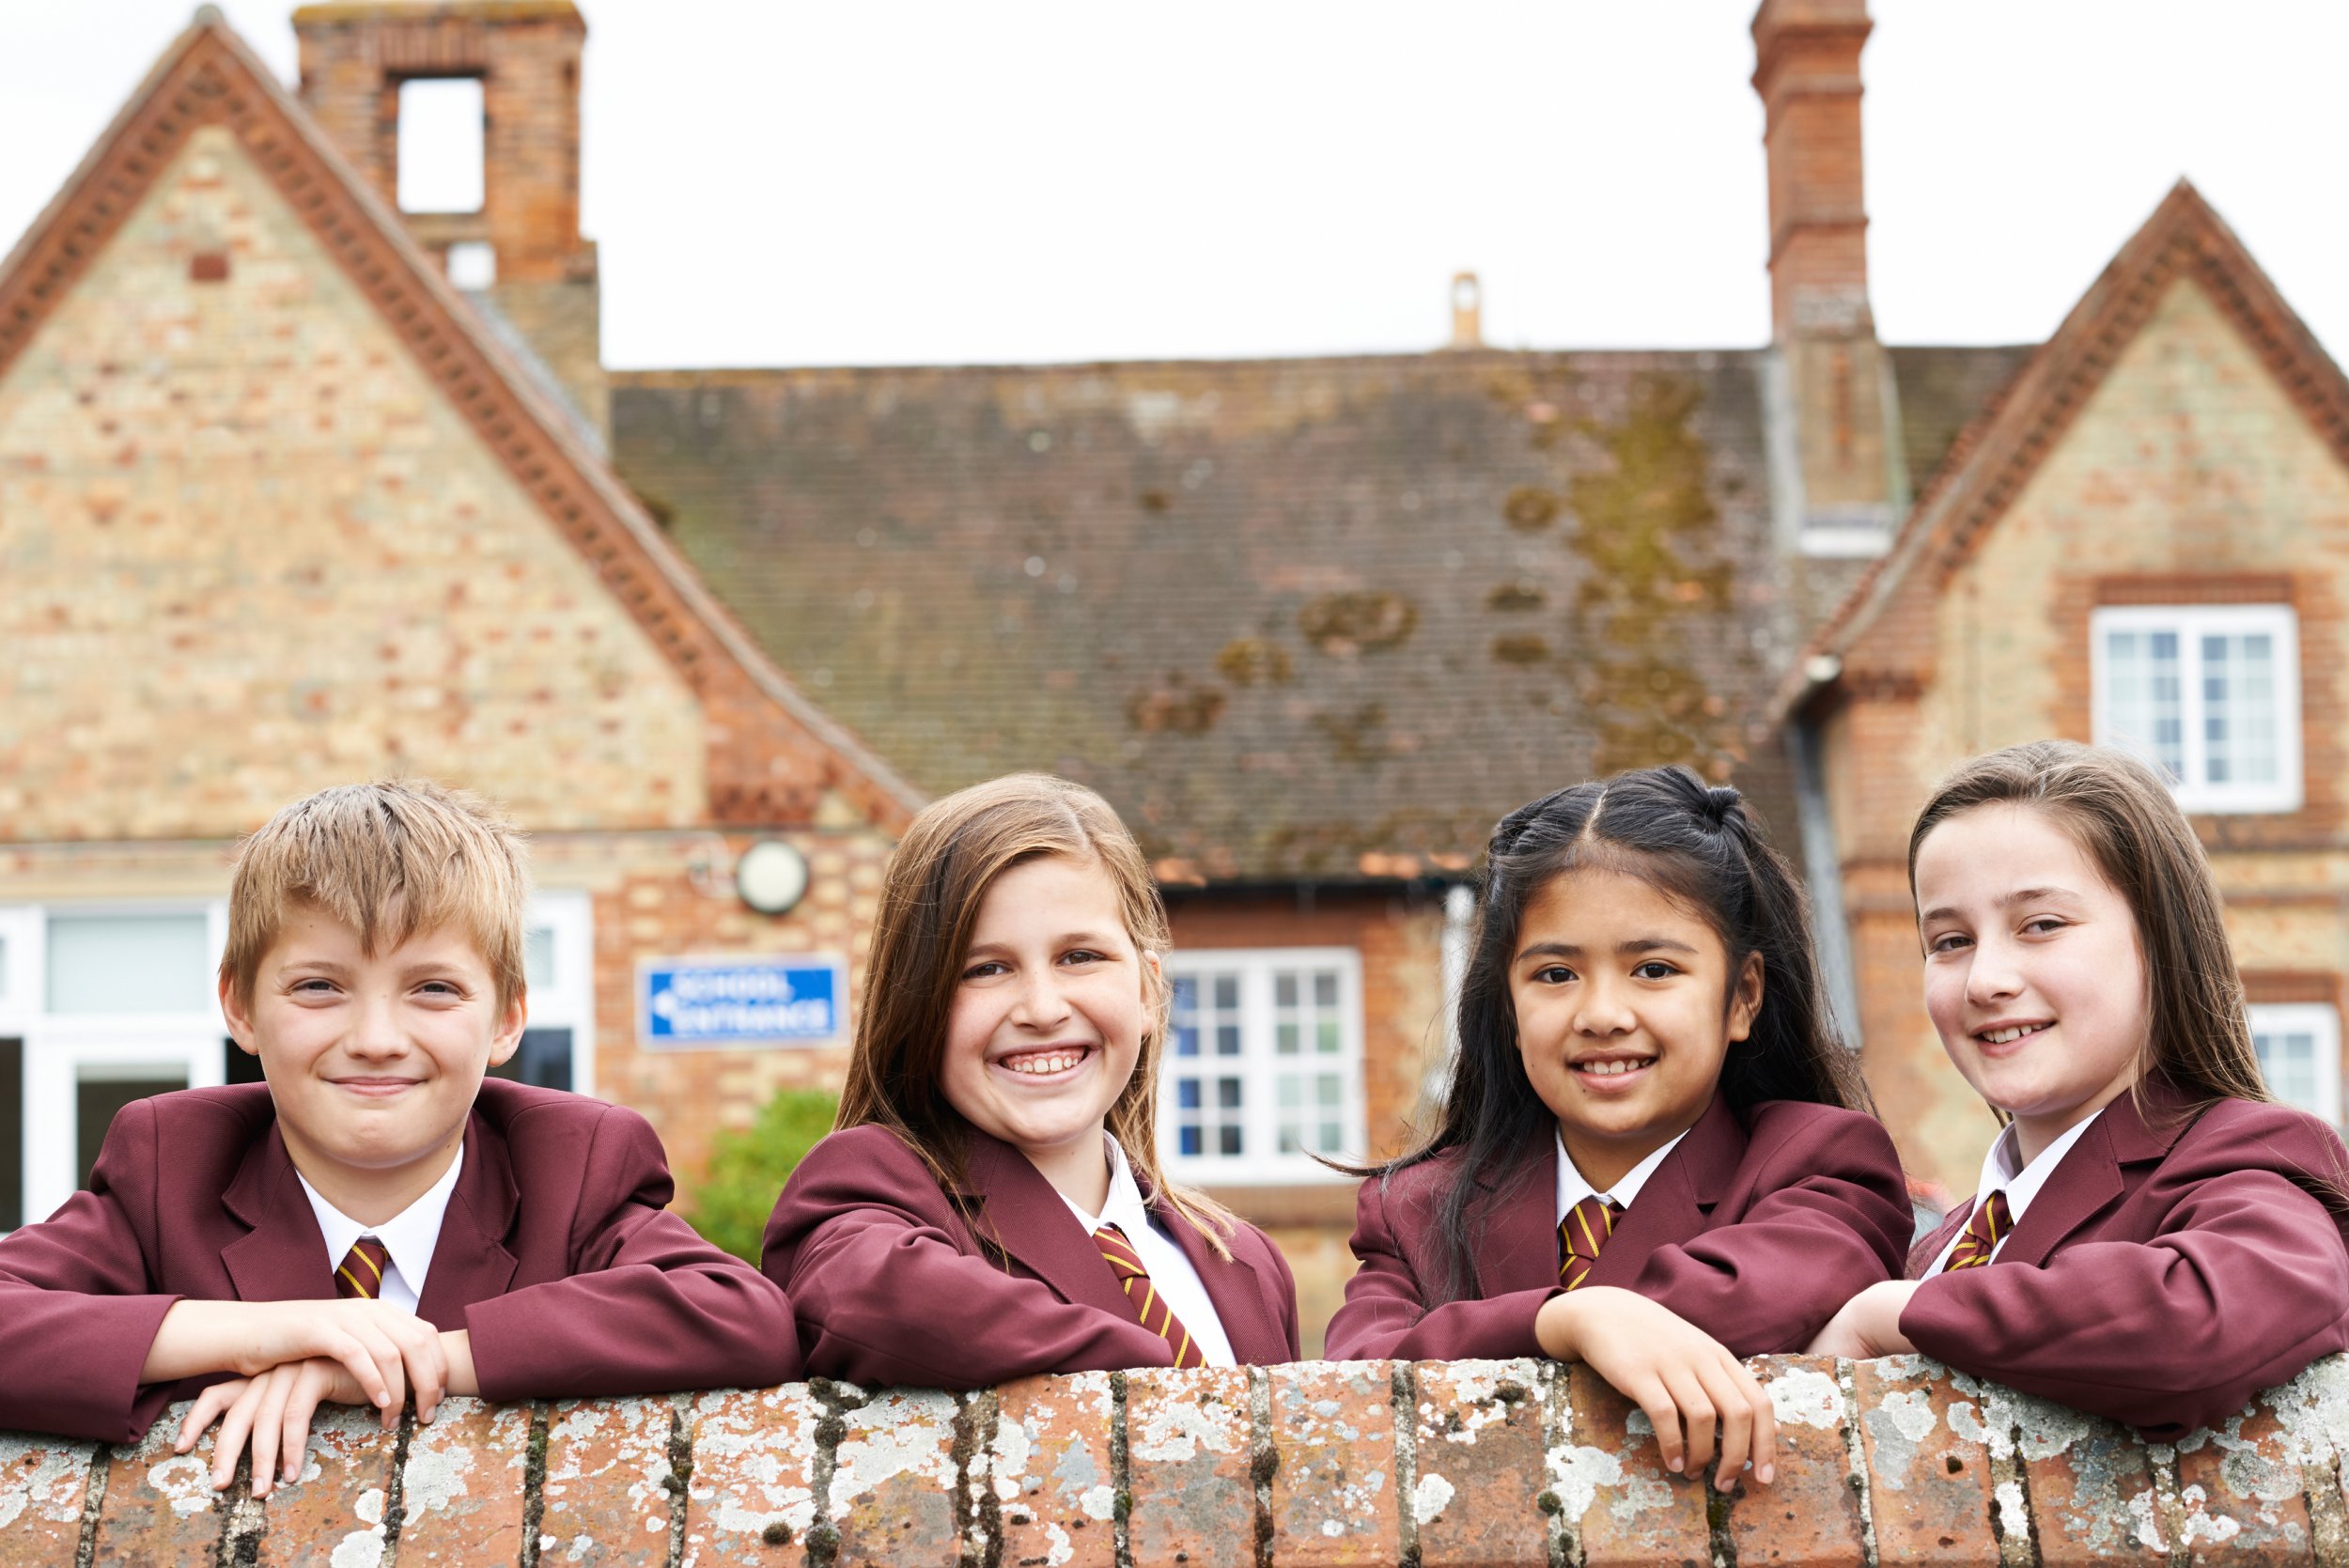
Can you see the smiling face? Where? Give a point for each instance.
(1625, 1008)
(373, 1063)
(2033, 974)
(1047, 1021)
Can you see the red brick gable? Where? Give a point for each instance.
(772, 755)
(1877, 636)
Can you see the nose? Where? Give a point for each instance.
(1602, 1008)
(1992, 975)
(1039, 1003)
(376, 1034)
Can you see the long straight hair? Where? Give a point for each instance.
(937, 879)
(1699, 846)
(2125, 820)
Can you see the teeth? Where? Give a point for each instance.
(2000, 1036)
(1053, 1061)
(1609, 1069)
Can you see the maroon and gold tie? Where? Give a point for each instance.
(1982, 1234)
(361, 1277)
(1581, 1235)
(1148, 1305)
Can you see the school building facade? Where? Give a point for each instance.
(298, 488)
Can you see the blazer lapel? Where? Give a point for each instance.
(282, 1256)
(1517, 1246)
(1034, 1224)
(1922, 1253)
(2089, 1178)
(469, 1262)
(1233, 1286)
(1675, 1204)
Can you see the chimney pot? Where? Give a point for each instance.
(1467, 311)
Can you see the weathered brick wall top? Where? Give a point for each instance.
(1367, 1462)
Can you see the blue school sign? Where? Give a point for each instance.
(784, 999)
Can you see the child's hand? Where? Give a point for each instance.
(1868, 1325)
(386, 1350)
(273, 1411)
(1673, 1370)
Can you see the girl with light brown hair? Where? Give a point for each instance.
(990, 1204)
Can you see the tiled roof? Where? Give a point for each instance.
(1941, 392)
(1298, 619)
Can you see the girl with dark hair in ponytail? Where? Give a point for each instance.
(1656, 1157)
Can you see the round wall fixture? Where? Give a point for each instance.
(771, 876)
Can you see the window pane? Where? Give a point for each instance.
(1187, 1093)
(1227, 992)
(129, 964)
(1228, 1141)
(2142, 696)
(538, 958)
(1189, 1139)
(1227, 1093)
(1284, 989)
(543, 1060)
(12, 1134)
(1327, 1041)
(2288, 1063)
(2239, 707)
(1284, 1037)
(1227, 1039)
(1325, 989)
(97, 1097)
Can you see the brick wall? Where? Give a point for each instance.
(1437, 1466)
(2188, 476)
(247, 547)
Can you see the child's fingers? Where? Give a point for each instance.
(1696, 1410)
(267, 1424)
(353, 1356)
(207, 1409)
(1655, 1402)
(1765, 1427)
(302, 1403)
(427, 1369)
(234, 1424)
(1736, 1420)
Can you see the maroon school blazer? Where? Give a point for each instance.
(892, 1286)
(556, 1253)
(2170, 1270)
(1755, 1229)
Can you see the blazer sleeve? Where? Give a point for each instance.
(79, 1306)
(650, 1307)
(1386, 1316)
(1831, 1219)
(2244, 1285)
(883, 1295)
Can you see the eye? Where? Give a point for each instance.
(1946, 941)
(441, 988)
(1083, 956)
(1552, 975)
(985, 968)
(1655, 968)
(2044, 925)
(313, 986)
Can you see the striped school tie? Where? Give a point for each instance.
(1581, 1235)
(361, 1277)
(1148, 1305)
(1982, 1236)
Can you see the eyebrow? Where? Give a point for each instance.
(2020, 895)
(1638, 944)
(1070, 939)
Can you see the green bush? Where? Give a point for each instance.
(747, 1168)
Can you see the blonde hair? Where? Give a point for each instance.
(388, 860)
(929, 904)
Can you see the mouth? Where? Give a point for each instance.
(1046, 1064)
(1610, 1072)
(375, 1088)
(2008, 1033)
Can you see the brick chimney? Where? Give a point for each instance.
(1844, 487)
(356, 55)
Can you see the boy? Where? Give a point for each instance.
(375, 1218)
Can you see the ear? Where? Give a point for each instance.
(1745, 1000)
(239, 1018)
(509, 1038)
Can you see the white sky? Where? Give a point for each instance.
(794, 182)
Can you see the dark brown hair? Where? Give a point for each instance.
(1699, 846)
(930, 895)
(2126, 820)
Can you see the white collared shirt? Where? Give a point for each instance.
(1998, 1175)
(1170, 1269)
(1573, 1187)
(409, 1236)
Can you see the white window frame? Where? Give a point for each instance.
(2321, 1020)
(1259, 1066)
(569, 1000)
(62, 1050)
(2192, 621)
